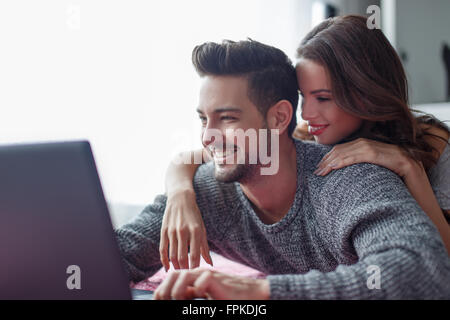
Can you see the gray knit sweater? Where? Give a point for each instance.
(337, 227)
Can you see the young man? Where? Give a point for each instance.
(355, 233)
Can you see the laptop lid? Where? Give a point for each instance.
(56, 235)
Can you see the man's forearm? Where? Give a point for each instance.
(392, 274)
(138, 241)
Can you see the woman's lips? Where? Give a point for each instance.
(317, 129)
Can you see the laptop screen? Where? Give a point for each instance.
(56, 236)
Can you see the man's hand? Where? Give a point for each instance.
(201, 283)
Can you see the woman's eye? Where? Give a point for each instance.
(322, 99)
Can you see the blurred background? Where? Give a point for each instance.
(119, 74)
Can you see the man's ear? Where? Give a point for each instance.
(279, 116)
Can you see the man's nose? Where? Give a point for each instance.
(211, 135)
(206, 138)
(309, 111)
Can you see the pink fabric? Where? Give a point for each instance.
(221, 264)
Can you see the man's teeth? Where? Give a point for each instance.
(223, 154)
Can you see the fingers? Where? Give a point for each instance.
(173, 249)
(181, 285)
(356, 151)
(202, 283)
(183, 249)
(181, 288)
(198, 247)
(335, 164)
(204, 250)
(188, 284)
(338, 149)
(183, 235)
(194, 249)
(362, 150)
(164, 291)
(163, 249)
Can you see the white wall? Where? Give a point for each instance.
(421, 27)
(119, 73)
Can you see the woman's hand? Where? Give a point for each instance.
(360, 150)
(397, 160)
(183, 231)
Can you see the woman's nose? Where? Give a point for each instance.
(309, 111)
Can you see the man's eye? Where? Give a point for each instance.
(322, 99)
(227, 118)
(203, 119)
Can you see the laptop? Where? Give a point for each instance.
(56, 235)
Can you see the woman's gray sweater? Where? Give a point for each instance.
(355, 233)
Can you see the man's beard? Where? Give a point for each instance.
(240, 172)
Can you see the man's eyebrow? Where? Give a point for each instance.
(224, 109)
(320, 90)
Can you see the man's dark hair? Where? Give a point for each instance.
(270, 73)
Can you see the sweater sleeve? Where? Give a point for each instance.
(139, 241)
(440, 177)
(398, 252)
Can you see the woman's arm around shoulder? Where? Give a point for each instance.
(183, 233)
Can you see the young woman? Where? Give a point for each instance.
(355, 97)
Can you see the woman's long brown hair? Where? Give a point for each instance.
(368, 81)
